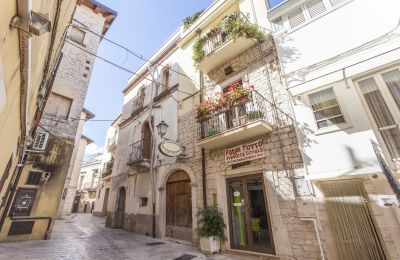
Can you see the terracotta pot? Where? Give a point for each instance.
(242, 99)
(203, 118)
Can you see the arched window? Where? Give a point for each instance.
(165, 79)
(146, 139)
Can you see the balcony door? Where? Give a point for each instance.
(236, 115)
(381, 93)
(249, 221)
(147, 141)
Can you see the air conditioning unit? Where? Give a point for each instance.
(40, 140)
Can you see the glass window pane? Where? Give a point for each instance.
(259, 223)
(326, 108)
(392, 80)
(238, 214)
(376, 103)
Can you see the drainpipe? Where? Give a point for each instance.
(153, 146)
(203, 152)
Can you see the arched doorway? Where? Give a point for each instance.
(121, 208)
(179, 206)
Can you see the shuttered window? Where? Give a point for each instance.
(40, 140)
(336, 2)
(34, 178)
(315, 8)
(296, 18)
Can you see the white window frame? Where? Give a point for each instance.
(390, 102)
(331, 128)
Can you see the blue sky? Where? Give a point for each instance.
(142, 26)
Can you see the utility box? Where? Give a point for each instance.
(305, 207)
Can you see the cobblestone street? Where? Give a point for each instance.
(85, 237)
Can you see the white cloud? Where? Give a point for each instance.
(93, 149)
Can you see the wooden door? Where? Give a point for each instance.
(75, 205)
(105, 202)
(179, 206)
(121, 208)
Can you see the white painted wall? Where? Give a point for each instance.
(353, 36)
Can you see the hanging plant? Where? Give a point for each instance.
(198, 51)
(188, 21)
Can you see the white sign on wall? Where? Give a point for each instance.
(244, 152)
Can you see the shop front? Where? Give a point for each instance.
(249, 220)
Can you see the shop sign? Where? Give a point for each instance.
(245, 152)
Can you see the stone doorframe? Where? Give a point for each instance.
(162, 196)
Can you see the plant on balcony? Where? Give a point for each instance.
(198, 51)
(204, 110)
(188, 21)
(212, 131)
(222, 102)
(252, 115)
(232, 26)
(109, 167)
(236, 25)
(240, 92)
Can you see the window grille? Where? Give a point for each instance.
(315, 8)
(336, 2)
(296, 18)
(40, 141)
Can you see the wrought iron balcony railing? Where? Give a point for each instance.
(250, 108)
(140, 152)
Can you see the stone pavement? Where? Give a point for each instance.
(83, 236)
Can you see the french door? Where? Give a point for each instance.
(381, 94)
(249, 220)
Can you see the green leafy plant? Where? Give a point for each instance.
(213, 131)
(255, 114)
(211, 223)
(188, 21)
(109, 167)
(198, 52)
(232, 26)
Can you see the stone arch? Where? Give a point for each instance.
(162, 196)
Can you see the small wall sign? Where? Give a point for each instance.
(170, 148)
(245, 152)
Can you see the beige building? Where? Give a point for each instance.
(107, 161)
(88, 184)
(33, 209)
(32, 34)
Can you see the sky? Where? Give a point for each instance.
(141, 26)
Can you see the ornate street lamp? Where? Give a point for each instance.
(162, 128)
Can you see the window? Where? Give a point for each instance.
(278, 24)
(77, 35)
(40, 140)
(23, 202)
(34, 178)
(326, 108)
(315, 8)
(6, 173)
(392, 80)
(296, 18)
(383, 118)
(58, 106)
(165, 79)
(143, 202)
(335, 2)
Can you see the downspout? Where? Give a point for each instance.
(203, 152)
(153, 145)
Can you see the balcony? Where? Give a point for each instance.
(250, 117)
(223, 43)
(112, 143)
(139, 158)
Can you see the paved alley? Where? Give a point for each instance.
(83, 236)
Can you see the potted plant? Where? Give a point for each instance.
(240, 93)
(211, 229)
(204, 110)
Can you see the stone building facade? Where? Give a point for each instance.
(56, 144)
